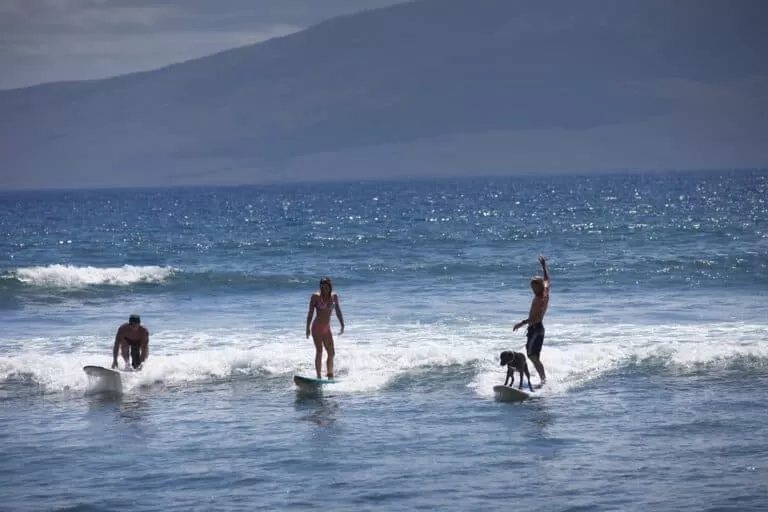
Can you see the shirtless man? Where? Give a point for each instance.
(133, 337)
(540, 287)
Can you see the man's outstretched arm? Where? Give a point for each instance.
(544, 268)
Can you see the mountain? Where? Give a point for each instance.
(431, 87)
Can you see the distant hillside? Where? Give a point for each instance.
(426, 88)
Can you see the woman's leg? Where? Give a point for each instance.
(328, 343)
(317, 338)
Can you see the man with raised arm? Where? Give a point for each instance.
(540, 287)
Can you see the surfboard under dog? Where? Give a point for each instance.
(510, 394)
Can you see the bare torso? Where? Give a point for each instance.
(127, 334)
(539, 306)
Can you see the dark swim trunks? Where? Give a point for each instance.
(135, 352)
(535, 339)
(135, 356)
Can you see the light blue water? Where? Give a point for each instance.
(656, 346)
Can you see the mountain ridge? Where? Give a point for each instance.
(343, 97)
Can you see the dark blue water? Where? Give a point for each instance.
(656, 346)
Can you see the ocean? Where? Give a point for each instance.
(656, 345)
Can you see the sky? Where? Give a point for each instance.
(52, 40)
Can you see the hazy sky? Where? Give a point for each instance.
(50, 40)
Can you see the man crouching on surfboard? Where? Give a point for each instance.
(540, 287)
(133, 337)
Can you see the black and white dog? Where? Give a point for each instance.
(515, 361)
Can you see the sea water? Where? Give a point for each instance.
(655, 347)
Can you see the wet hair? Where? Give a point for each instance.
(134, 319)
(327, 280)
(537, 284)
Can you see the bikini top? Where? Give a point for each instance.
(325, 305)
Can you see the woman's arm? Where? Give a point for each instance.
(339, 315)
(309, 313)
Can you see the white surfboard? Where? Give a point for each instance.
(311, 383)
(100, 371)
(510, 394)
(103, 379)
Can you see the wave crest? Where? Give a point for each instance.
(69, 276)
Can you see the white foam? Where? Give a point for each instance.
(369, 358)
(52, 374)
(577, 354)
(69, 276)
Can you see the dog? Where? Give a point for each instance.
(515, 361)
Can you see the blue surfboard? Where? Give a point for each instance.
(310, 383)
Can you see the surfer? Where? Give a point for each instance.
(134, 338)
(535, 335)
(321, 305)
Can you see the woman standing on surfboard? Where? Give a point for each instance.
(321, 305)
